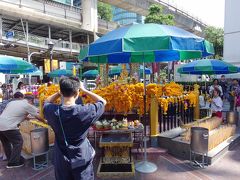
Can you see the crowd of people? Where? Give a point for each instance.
(220, 91)
(70, 121)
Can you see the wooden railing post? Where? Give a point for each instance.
(154, 117)
(197, 107)
(154, 125)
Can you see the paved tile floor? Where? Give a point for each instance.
(168, 168)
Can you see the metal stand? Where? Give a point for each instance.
(145, 166)
(196, 163)
(39, 165)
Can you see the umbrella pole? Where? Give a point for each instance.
(145, 166)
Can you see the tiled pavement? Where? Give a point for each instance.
(168, 168)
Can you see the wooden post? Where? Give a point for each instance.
(197, 107)
(154, 117)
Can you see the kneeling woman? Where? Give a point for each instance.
(217, 103)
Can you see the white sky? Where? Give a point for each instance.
(210, 12)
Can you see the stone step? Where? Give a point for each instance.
(151, 150)
(164, 139)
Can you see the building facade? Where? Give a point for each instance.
(124, 17)
(232, 32)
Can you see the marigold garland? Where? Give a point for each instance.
(123, 98)
(44, 92)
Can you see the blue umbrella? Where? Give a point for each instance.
(146, 43)
(38, 72)
(91, 73)
(147, 70)
(15, 65)
(116, 70)
(208, 67)
(238, 69)
(60, 72)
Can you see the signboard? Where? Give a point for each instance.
(63, 65)
(54, 64)
(9, 34)
(47, 65)
(74, 70)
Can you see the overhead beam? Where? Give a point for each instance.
(78, 34)
(14, 25)
(37, 28)
(59, 31)
(73, 36)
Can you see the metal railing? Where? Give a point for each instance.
(50, 8)
(107, 25)
(42, 42)
(183, 12)
(175, 116)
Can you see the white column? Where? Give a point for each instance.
(49, 32)
(70, 40)
(90, 17)
(1, 27)
(88, 41)
(27, 31)
(29, 56)
(27, 38)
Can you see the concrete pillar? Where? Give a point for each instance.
(1, 27)
(27, 41)
(51, 50)
(90, 17)
(49, 33)
(88, 41)
(70, 40)
(29, 56)
(27, 30)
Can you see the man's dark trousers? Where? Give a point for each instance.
(12, 142)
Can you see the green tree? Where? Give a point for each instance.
(105, 11)
(156, 15)
(215, 36)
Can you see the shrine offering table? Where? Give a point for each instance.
(116, 157)
(137, 135)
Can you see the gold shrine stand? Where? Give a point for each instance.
(116, 160)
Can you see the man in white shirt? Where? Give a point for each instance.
(15, 112)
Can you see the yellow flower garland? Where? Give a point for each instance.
(123, 98)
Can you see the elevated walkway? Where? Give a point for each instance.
(183, 19)
(44, 12)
